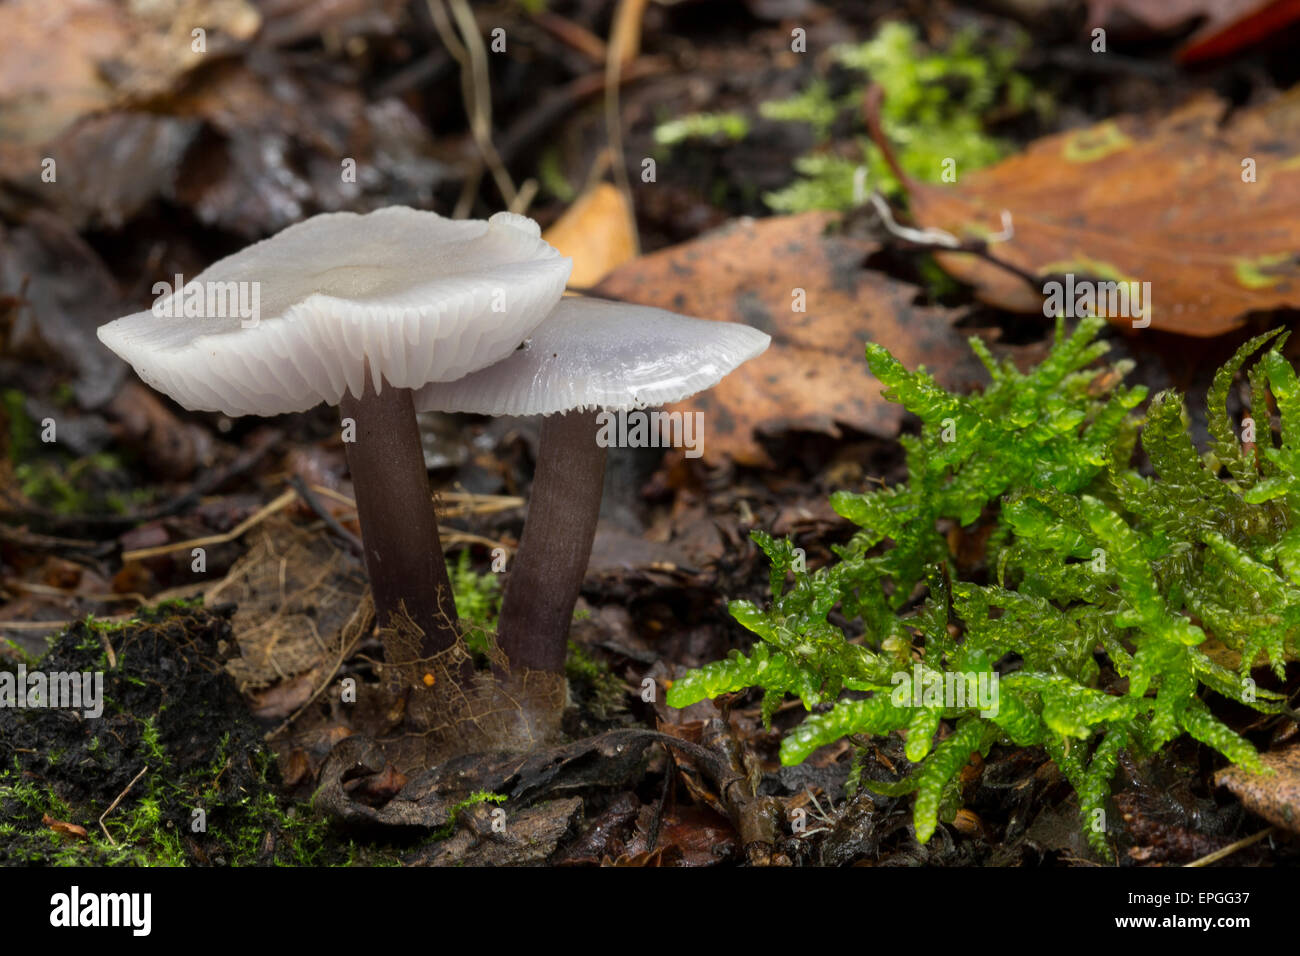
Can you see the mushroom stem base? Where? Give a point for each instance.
(555, 547)
(399, 526)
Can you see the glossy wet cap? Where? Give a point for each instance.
(417, 297)
(595, 354)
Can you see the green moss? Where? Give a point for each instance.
(934, 112)
(144, 830)
(826, 181)
(152, 748)
(1262, 273)
(473, 800)
(1098, 142)
(603, 694)
(813, 106)
(1084, 555)
(74, 486)
(178, 605)
(22, 430)
(16, 652)
(725, 126)
(478, 602)
(551, 176)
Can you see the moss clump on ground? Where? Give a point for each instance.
(169, 707)
(692, 126)
(594, 685)
(935, 112)
(478, 602)
(49, 478)
(1080, 627)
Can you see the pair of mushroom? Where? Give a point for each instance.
(401, 310)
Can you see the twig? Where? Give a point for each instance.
(936, 240)
(871, 103)
(555, 103)
(572, 35)
(1232, 848)
(624, 36)
(45, 542)
(928, 237)
(468, 190)
(253, 520)
(424, 70)
(451, 536)
(475, 88)
(113, 806)
(49, 589)
(474, 503)
(314, 504)
(108, 650)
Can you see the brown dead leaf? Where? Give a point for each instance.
(1153, 200)
(280, 700)
(605, 835)
(814, 376)
(1274, 797)
(64, 829)
(295, 768)
(666, 855)
(66, 61)
(67, 293)
(272, 159)
(48, 75)
(1260, 22)
(377, 789)
(703, 837)
(598, 231)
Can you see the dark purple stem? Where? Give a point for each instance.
(399, 526)
(547, 574)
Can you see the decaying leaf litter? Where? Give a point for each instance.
(193, 157)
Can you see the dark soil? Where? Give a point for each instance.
(168, 707)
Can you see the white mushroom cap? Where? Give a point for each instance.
(596, 354)
(419, 297)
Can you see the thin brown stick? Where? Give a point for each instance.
(1231, 848)
(113, 806)
(451, 537)
(279, 504)
(469, 52)
(933, 240)
(625, 35)
(305, 494)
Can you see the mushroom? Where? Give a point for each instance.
(589, 358)
(357, 311)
